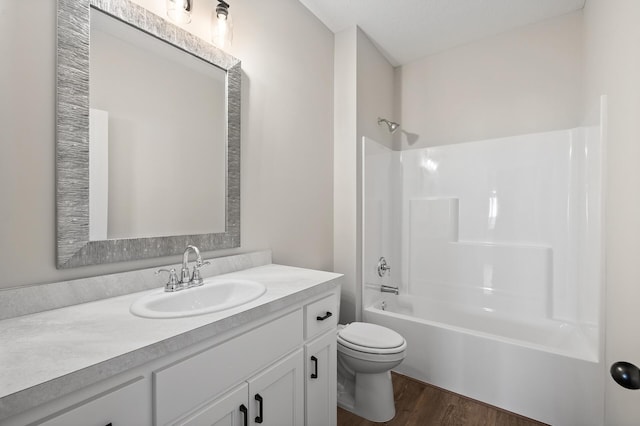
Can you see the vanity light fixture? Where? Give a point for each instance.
(221, 26)
(392, 126)
(179, 11)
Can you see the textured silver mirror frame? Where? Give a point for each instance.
(72, 138)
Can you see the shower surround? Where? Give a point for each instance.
(496, 247)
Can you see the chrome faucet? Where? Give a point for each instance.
(186, 279)
(389, 289)
(191, 279)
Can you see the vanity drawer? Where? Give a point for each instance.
(127, 404)
(321, 315)
(207, 374)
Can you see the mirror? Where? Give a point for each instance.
(151, 163)
(157, 141)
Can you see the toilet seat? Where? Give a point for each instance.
(371, 339)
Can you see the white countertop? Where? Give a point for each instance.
(48, 354)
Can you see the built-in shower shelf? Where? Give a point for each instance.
(509, 278)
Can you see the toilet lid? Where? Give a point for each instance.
(370, 336)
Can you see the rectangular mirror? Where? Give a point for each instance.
(148, 137)
(157, 139)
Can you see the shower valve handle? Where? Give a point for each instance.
(383, 267)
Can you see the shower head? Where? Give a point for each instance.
(392, 126)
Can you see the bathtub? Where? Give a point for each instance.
(543, 369)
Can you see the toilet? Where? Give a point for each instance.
(366, 354)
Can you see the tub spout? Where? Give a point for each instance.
(389, 289)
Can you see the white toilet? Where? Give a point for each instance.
(366, 354)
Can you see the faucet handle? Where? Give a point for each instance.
(196, 279)
(200, 263)
(383, 267)
(173, 284)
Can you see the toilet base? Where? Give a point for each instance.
(364, 370)
(370, 396)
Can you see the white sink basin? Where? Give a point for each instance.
(216, 294)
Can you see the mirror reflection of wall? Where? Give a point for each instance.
(166, 163)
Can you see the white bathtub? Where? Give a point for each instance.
(543, 369)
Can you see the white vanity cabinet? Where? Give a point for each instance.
(288, 369)
(279, 370)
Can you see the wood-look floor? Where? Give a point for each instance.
(421, 404)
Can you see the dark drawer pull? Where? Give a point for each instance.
(259, 418)
(314, 375)
(245, 412)
(327, 315)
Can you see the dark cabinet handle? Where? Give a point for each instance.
(259, 418)
(315, 367)
(245, 412)
(328, 314)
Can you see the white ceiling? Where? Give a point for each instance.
(406, 30)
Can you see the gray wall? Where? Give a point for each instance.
(364, 91)
(525, 80)
(287, 138)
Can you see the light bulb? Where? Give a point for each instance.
(221, 26)
(179, 11)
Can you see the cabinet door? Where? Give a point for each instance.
(320, 382)
(276, 395)
(231, 409)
